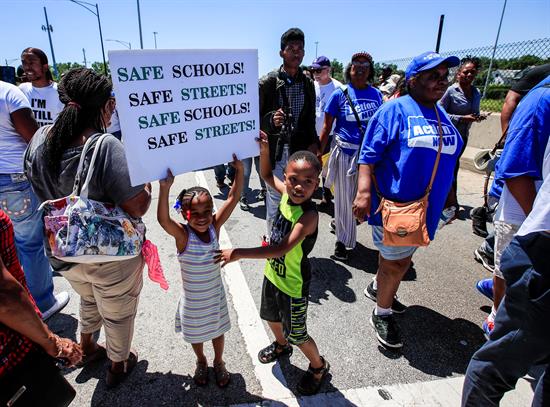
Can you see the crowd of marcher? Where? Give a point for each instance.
(383, 150)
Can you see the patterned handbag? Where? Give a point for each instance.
(81, 230)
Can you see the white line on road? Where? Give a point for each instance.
(270, 376)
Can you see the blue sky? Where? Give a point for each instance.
(386, 29)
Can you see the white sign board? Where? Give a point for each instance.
(185, 109)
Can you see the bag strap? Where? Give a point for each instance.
(357, 119)
(84, 190)
(436, 164)
(77, 189)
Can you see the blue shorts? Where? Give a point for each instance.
(390, 252)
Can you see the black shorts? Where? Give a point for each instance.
(291, 312)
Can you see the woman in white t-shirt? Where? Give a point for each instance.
(41, 90)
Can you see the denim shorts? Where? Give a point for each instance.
(390, 252)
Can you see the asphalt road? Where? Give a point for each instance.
(441, 328)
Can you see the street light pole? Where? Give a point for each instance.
(139, 22)
(49, 29)
(84, 55)
(125, 43)
(155, 34)
(494, 51)
(88, 6)
(316, 44)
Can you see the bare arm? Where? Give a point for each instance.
(523, 190)
(305, 226)
(24, 123)
(361, 204)
(233, 197)
(17, 312)
(510, 103)
(138, 205)
(266, 172)
(325, 131)
(171, 227)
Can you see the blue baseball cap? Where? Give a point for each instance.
(320, 62)
(428, 60)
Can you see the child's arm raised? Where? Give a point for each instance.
(171, 227)
(305, 226)
(233, 197)
(266, 172)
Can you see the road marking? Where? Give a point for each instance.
(270, 375)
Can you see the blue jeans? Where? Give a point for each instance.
(20, 203)
(273, 197)
(221, 171)
(521, 336)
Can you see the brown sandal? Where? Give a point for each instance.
(222, 375)
(201, 374)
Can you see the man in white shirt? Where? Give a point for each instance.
(324, 86)
(521, 333)
(41, 91)
(18, 201)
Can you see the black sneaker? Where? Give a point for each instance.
(332, 226)
(396, 305)
(486, 261)
(340, 252)
(244, 204)
(261, 195)
(410, 274)
(387, 331)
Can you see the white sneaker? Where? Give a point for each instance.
(61, 300)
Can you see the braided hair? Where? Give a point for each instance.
(468, 59)
(84, 94)
(347, 71)
(186, 196)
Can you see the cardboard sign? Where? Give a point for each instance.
(185, 109)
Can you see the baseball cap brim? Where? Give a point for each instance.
(449, 61)
(316, 66)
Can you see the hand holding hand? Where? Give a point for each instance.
(64, 348)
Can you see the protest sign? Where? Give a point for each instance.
(185, 109)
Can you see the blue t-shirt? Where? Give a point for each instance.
(402, 141)
(366, 102)
(527, 138)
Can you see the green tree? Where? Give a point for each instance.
(337, 70)
(98, 67)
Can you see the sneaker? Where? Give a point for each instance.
(340, 252)
(61, 300)
(333, 226)
(244, 204)
(261, 195)
(486, 261)
(387, 331)
(396, 306)
(488, 327)
(485, 287)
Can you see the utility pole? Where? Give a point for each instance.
(49, 29)
(155, 34)
(84, 54)
(441, 19)
(139, 22)
(316, 45)
(494, 50)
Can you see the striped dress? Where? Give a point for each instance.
(202, 312)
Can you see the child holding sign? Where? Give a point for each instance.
(202, 311)
(288, 272)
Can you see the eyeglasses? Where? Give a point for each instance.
(318, 70)
(365, 64)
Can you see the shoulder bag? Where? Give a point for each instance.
(81, 230)
(405, 223)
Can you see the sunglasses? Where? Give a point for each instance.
(365, 64)
(318, 70)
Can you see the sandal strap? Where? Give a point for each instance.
(317, 370)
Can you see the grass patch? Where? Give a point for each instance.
(491, 105)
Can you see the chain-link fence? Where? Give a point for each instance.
(508, 65)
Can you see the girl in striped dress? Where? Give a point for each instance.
(202, 311)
